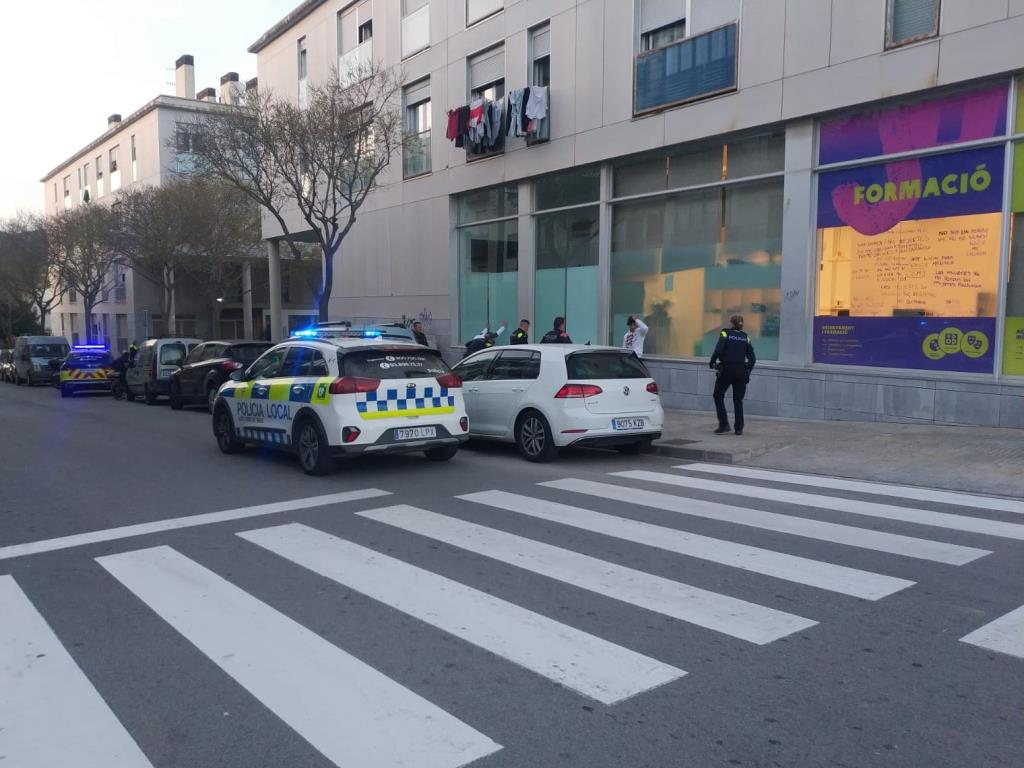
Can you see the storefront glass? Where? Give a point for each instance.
(688, 260)
(909, 249)
(488, 260)
(566, 278)
(1013, 336)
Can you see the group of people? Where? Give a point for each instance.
(636, 332)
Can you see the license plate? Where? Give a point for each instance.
(627, 424)
(415, 433)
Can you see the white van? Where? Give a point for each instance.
(156, 360)
(32, 356)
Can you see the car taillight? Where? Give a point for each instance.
(652, 388)
(578, 390)
(450, 380)
(230, 365)
(350, 385)
(350, 434)
(464, 424)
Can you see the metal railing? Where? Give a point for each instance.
(692, 68)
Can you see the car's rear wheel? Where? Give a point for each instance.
(534, 438)
(442, 452)
(177, 402)
(224, 431)
(148, 395)
(311, 445)
(211, 397)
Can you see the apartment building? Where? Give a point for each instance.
(152, 146)
(844, 174)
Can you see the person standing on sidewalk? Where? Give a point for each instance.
(636, 332)
(734, 359)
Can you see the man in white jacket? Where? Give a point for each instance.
(635, 334)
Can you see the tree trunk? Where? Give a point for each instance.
(88, 304)
(326, 288)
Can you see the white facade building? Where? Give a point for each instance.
(810, 165)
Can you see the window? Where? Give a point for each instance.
(688, 260)
(393, 364)
(267, 366)
(476, 10)
(540, 74)
(486, 81)
(605, 365)
(99, 175)
(115, 172)
(910, 248)
(172, 354)
(72, 296)
(198, 352)
(416, 143)
(135, 161)
(488, 239)
(85, 177)
(475, 369)
(415, 26)
(908, 21)
(66, 183)
(303, 72)
(671, 69)
(1013, 335)
(355, 40)
(55, 193)
(303, 361)
(515, 364)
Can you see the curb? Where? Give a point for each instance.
(710, 455)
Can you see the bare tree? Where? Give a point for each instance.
(27, 271)
(82, 243)
(321, 160)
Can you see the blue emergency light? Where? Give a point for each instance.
(372, 334)
(90, 347)
(307, 333)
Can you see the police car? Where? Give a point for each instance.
(88, 367)
(323, 398)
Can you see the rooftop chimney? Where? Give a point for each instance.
(113, 121)
(230, 90)
(207, 94)
(185, 77)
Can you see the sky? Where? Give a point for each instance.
(67, 64)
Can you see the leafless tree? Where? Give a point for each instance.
(27, 270)
(320, 160)
(83, 248)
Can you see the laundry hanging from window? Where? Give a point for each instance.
(482, 125)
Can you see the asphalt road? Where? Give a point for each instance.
(533, 633)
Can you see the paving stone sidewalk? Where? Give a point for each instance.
(959, 458)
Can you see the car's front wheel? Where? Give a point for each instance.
(311, 445)
(224, 431)
(177, 402)
(211, 397)
(148, 395)
(534, 438)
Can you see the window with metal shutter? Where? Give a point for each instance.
(911, 20)
(487, 67)
(417, 92)
(541, 42)
(655, 14)
(479, 9)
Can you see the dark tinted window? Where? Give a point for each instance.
(246, 353)
(196, 354)
(89, 360)
(605, 365)
(47, 350)
(393, 363)
(210, 352)
(267, 366)
(302, 361)
(474, 368)
(516, 364)
(172, 354)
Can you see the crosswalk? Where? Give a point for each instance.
(355, 714)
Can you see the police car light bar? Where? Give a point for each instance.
(306, 333)
(88, 347)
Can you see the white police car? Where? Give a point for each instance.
(325, 398)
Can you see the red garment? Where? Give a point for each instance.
(452, 131)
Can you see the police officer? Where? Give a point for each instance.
(734, 360)
(418, 334)
(521, 335)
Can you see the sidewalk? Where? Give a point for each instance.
(972, 459)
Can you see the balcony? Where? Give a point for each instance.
(694, 68)
(351, 64)
(416, 31)
(416, 154)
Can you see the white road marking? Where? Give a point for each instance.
(50, 714)
(1005, 634)
(800, 570)
(880, 541)
(580, 661)
(190, 521)
(879, 489)
(721, 613)
(853, 506)
(353, 714)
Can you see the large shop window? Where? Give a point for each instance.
(565, 282)
(1013, 335)
(909, 249)
(689, 260)
(488, 260)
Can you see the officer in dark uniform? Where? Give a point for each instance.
(734, 360)
(521, 335)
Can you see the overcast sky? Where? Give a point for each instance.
(67, 64)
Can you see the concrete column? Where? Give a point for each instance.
(799, 246)
(247, 300)
(274, 273)
(527, 261)
(604, 258)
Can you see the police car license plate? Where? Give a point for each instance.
(627, 424)
(415, 433)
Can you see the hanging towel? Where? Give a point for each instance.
(452, 130)
(537, 103)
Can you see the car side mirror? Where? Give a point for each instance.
(237, 375)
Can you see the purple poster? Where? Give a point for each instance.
(929, 343)
(977, 114)
(874, 198)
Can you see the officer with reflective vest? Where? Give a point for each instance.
(734, 359)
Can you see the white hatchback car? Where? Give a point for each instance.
(544, 397)
(324, 398)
